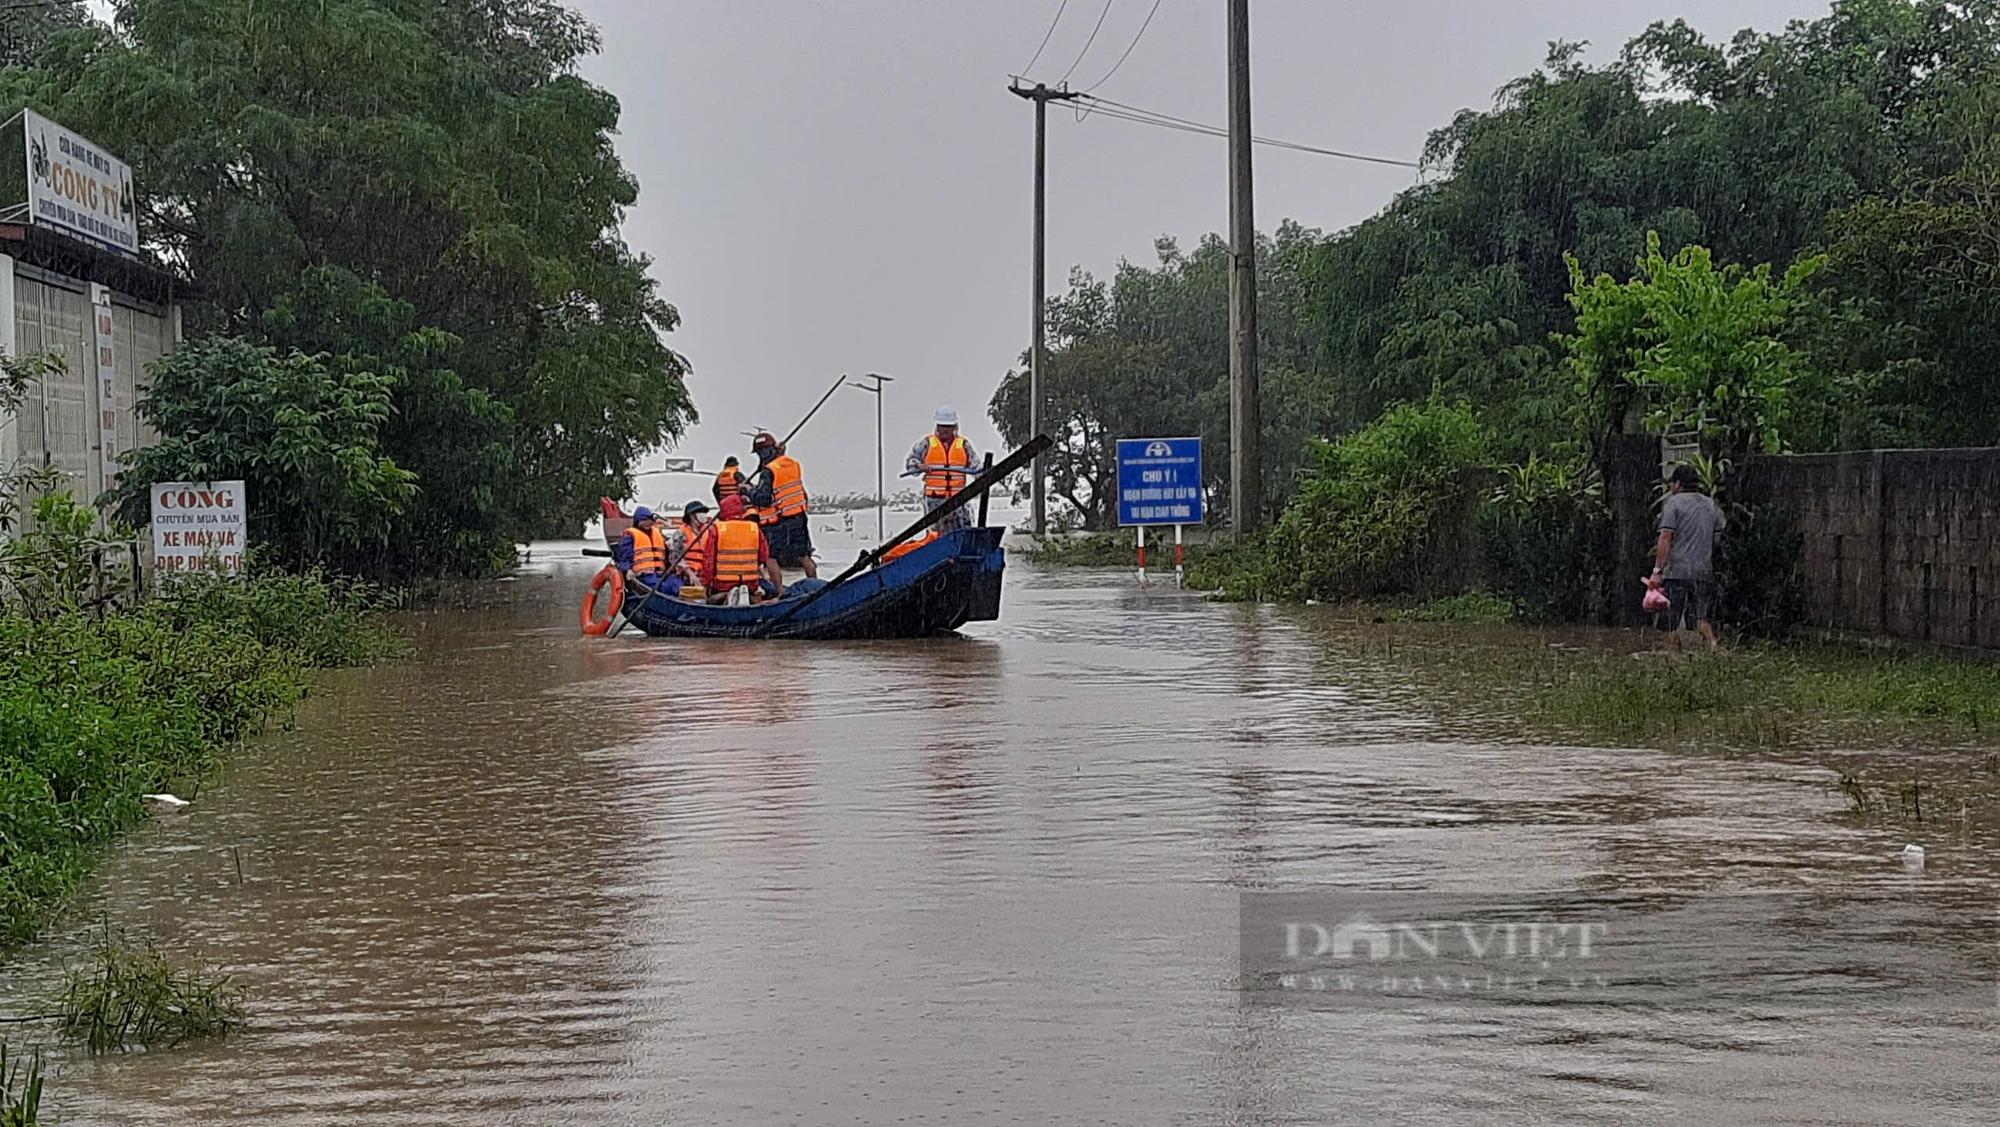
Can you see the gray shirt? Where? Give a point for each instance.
(1696, 521)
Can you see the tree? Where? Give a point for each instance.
(1692, 348)
(424, 186)
(302, 433)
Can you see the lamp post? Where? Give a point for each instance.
(881, 498)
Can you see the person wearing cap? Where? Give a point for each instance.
(778, 496)
(641, 553)
(687, 540)
(734, 553)
(947, 461)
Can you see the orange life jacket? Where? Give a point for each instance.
(735, 544)
(788, 487)
(726, 483)
(945, 466)
(649, 549)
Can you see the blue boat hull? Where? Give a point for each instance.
(932, 590)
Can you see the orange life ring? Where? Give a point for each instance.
(592, 625)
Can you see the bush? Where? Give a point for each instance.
(1387, 510)
(1543, 530)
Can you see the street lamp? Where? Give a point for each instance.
(881, 498)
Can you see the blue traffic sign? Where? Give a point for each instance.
(1159, 481)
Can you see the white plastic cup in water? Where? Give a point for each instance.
(1913, 858)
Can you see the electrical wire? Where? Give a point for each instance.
(1108, 108)
(1087, 43)
(1060, 9)
(1128, 49)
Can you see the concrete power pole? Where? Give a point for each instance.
(1041, 95)
(1246, 463)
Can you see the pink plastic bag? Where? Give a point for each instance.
(1656, 596)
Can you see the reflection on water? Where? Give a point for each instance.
(533, 878)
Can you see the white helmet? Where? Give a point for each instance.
(945, 416)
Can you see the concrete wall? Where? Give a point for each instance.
(1902, 543)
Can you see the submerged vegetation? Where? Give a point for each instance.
(131, 994)
(20, 1089)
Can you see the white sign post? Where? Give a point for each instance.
(198, 526)
(77, 187)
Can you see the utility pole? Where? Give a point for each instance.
(881, 498)
(1246, 463)
(1041, 95)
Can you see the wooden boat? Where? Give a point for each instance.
(933, 589)
(916, 584)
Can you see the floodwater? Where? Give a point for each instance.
(532, 878)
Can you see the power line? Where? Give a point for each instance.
(1087, 43)
(1128, 49)
(1108, 108)
(1063, 7)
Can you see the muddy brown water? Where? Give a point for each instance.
(530, 878)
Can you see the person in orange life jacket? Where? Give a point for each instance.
(778, 493)
(641, 553)
(734, 553)
(947, 462)
(688, 532)
(729, 482)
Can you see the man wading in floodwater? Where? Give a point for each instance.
(1690, 534)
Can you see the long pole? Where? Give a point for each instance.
(1246, 465)
(1041, 95)
(1037, 490)
(881, 494)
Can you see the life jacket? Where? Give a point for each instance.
(945, 466)
(788, 487)
(735, 543)
(695, 537)
(649, 549)
(726, 483)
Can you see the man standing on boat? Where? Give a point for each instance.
(729, 482)
(778, 494)
(947, 462)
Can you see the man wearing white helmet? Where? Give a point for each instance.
(947, 462)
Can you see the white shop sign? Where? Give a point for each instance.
(78, 187)
(198, 526)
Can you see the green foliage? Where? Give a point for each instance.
(1693, 345)
(1543, 529)
(47, 569)
(424, 198)
(1472, 606)
(94, 713)
(1386, 510)
(303, 436)
(20, 1090)
(132, 994)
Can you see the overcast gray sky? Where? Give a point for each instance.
(834, 187)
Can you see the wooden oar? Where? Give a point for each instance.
(975, 488)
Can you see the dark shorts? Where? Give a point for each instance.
(791, 541)
(1690, 599)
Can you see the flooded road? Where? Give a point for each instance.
(531, 878)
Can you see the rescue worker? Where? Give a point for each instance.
(694, 522)
(729, 482)
(947, 462)
(778, 495)
(734, 553)
(641, 553)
